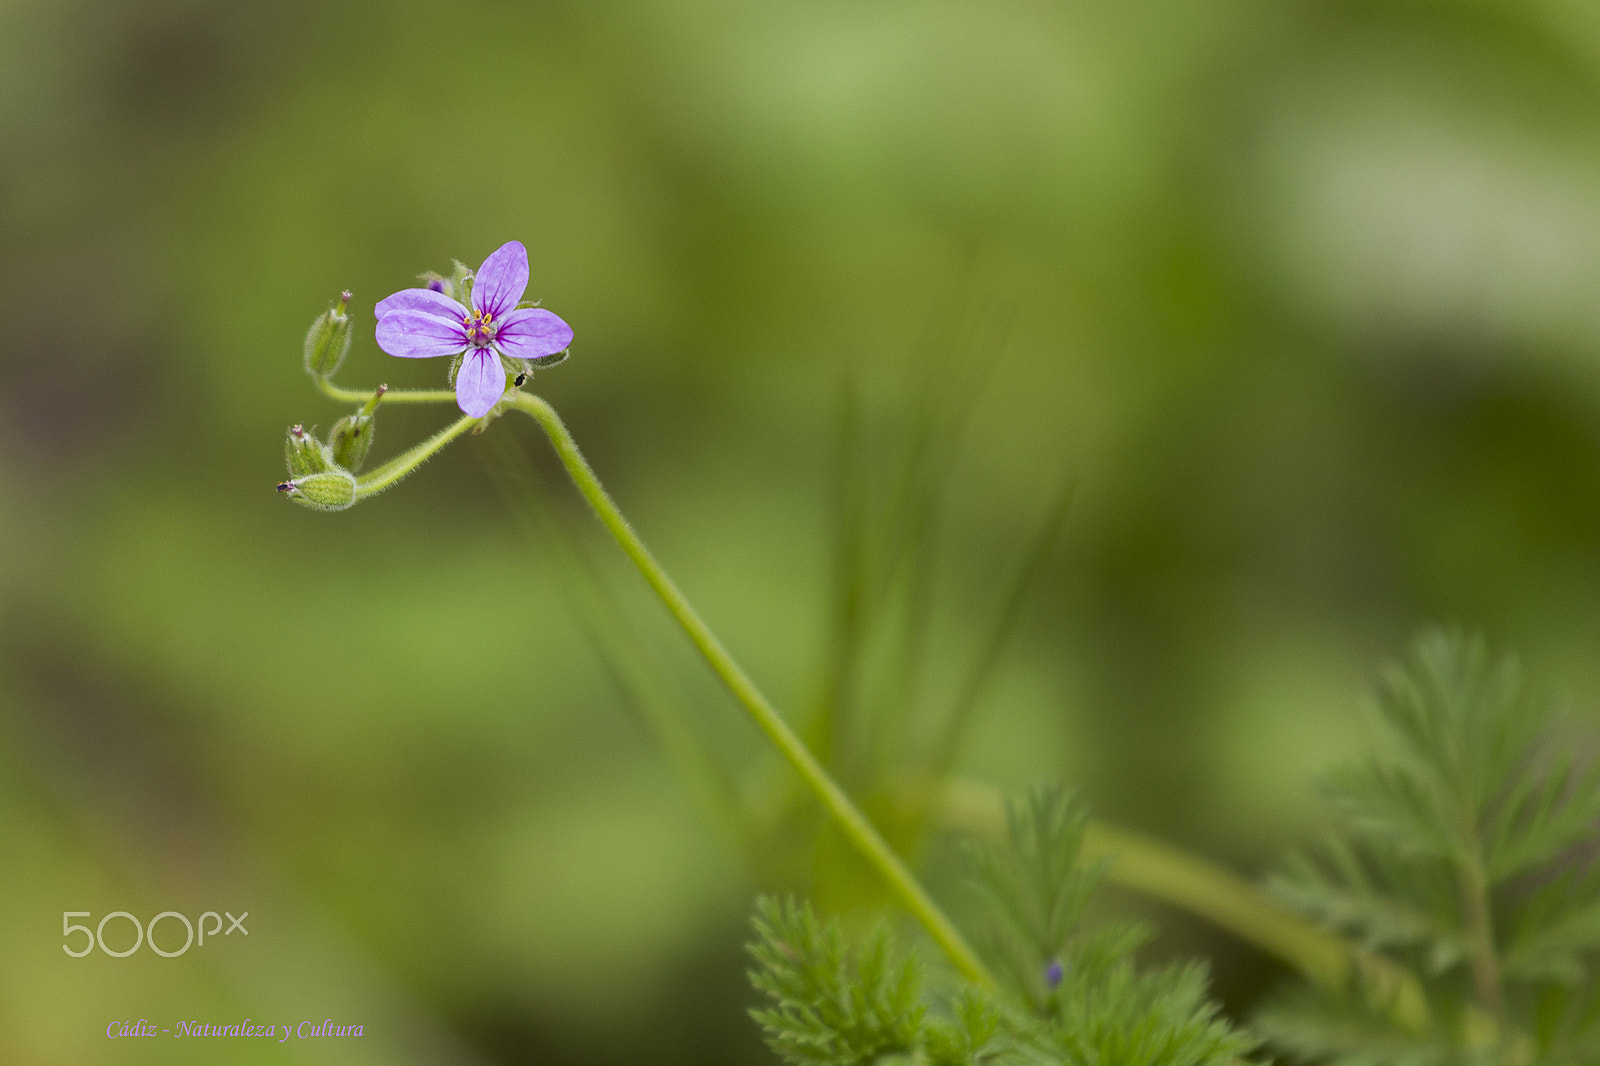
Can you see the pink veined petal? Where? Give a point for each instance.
(414, 335)
(531, 332)
(502, 279)
(425, 300)
(480, 382)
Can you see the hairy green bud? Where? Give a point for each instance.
(350, 439)
(328, 340)
(458, 285)
(331, 490)
(304, 453)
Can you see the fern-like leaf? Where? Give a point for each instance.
(1035, 889)
(831, 1007)
(1460, 853)
(1070, 996)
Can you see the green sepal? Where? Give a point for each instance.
(522, 369)
(519, 370)
(459, 284)
(331, 490)
(350, 439)
(328, 340)
(304, 454)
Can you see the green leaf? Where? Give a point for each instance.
(831, 1006)
(1463, 850)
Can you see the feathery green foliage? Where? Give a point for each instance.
(1460, 853)
(1037, 893)
(1069, 997)
(1082, 1000)
(832, 1005)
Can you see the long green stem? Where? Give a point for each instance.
(1138, 862)
(854, 824)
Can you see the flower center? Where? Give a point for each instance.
(480, 328)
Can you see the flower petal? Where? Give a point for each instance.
(414, 335)
(425, 300)
(480, 382)
(502, 279)
(532, 332)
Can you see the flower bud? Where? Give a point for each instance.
(436, 282)
(328, 340)
(304, 454)
(349, 440)
(331, 490)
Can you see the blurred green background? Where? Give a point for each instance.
(1301, 297)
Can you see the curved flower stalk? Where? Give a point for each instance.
(432, 321)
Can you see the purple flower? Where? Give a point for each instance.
(424, 323)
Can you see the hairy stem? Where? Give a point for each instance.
(850, 819)
(379, 478)
(391, 396)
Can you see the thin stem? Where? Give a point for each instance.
(379, 478)
(854, 824)
(391, 396)
(1479, 925)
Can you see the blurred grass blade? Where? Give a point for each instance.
(903, 571)
(851, 593)
(958, 721)
(604, 625)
